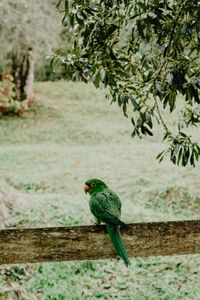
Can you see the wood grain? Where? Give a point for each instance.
(92, 242)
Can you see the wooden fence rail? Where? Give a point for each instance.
(92, 242)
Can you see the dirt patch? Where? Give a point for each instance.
(11, 200)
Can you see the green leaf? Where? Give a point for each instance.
(196, 154)
(195, 94)
(160, 154)
(133, 122)
(145, 130)
(198, 149)
(179, 155)
(79, 19)
(175, 151)
(66, 7)
(121, 99)
(97, 79)
(192, 162)
(135, 104)
(148, 119)
(173, 159)
(172, 98)
(166, 135)
(186, 155)
(166, 100)
(183, 134)
(124, 107)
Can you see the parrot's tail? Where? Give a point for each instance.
(116, 239)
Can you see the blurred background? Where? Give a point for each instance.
(54, 135)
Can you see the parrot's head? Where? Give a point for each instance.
(94, 185)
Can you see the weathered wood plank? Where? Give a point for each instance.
(92, 242)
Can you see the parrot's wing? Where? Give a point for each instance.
(106, 206)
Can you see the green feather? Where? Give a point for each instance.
(118, 244)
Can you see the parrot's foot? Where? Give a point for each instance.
(97, 222)
(123, 225)
(93, 223)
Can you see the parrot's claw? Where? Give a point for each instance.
(97, 222)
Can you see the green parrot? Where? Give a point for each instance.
(105, 205)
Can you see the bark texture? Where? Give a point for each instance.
(92, 242)
(23, 74)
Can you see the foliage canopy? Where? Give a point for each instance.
(145, 53)
(26, 25)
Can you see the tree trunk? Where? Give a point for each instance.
(30, 75)
(23, 74)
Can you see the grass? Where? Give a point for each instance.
(71, 134)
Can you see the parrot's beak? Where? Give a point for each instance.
(86, 188)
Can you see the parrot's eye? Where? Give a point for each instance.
(93, 185)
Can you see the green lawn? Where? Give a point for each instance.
(72, 133)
